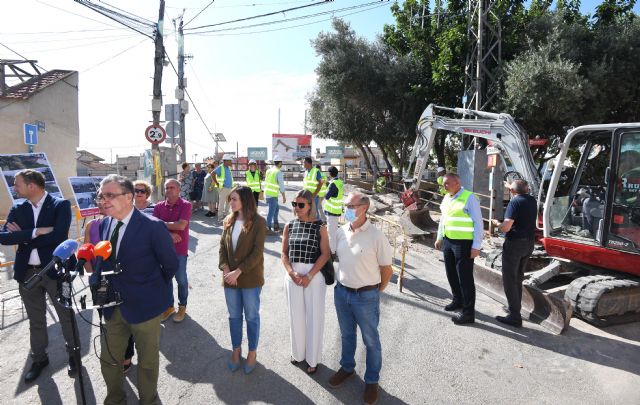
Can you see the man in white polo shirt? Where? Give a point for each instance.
(365, 270)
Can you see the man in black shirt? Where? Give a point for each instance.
(519, 225)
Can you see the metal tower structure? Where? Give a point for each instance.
(484, 60)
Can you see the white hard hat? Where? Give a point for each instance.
(252, 162)
(440, 169)
(276, 158)
(227, 157)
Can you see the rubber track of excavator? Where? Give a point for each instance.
(622, 295)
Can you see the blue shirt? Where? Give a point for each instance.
(227, 176)
(471, 208)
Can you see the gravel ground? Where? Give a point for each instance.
(426, 358)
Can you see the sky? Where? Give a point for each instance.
(246, 83)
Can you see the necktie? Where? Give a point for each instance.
(114, 240)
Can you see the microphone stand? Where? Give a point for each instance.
(65, 299)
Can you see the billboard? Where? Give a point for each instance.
(290, 147)
(11, 164)
(257, 153)
(335, 152)
(85, 189)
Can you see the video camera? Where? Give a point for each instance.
(102, 293)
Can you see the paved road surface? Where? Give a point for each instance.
(426, 358)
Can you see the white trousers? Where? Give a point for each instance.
(223, 204)
(306, 315)
(332, 229)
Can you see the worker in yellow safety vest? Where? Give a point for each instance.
(274, 184)
(223, 179)
(312, 181)
(441, 172)
(253, 179)
(460, 233)
(333, 204)
(321, 194)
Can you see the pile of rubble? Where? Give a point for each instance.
(415, 223)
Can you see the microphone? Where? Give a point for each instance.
(60, 254)
(101, 251)
(85, 254)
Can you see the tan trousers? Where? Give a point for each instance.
(223, 205)
(114, 343)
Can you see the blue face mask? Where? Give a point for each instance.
(350, 214)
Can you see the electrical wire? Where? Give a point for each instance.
(263, 15)
(114, 56)
(46, 50)
(372, 5)
(62, 32)
(222, 34)
(34, 41)
(200, 12)
(78, 15)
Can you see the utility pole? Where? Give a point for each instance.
(156, 102)
(182, 84)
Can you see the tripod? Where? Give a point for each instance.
(65, 300)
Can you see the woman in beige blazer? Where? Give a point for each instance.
(242, 264)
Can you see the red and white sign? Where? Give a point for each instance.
(155, 134)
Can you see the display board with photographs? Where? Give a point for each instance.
(289, 148)
(85, 189)
(12, 164)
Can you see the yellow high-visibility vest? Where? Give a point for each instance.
(253, 180)
(271, 186)
(457, 223)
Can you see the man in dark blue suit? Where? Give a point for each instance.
(38, 225)
(143, 248)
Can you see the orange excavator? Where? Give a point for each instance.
(589, 214)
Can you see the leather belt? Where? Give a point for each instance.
(32, 267)
(361, 289)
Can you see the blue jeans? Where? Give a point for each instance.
(274, 210)
(359, 309)
(247, 300)
(183, 282)
(316, 202)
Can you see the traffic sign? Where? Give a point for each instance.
(30, 134)
(173, 129)
(172, 112)
(155, 134)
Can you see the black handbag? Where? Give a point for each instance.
(327, 270)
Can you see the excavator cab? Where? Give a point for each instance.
(593, 201)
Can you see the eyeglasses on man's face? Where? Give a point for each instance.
(140, 191)
(108, 196)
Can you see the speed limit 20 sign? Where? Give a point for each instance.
(155, 134)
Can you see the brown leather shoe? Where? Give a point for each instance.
(180, 315)
(370, 396)
(339, 378)
(167, 314)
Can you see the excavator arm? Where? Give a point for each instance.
(501, 129)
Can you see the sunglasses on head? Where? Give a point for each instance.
(297, 204)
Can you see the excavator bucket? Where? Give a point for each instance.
(550, 311)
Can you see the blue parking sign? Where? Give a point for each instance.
(30, 134)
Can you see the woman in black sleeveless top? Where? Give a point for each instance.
(305, 249)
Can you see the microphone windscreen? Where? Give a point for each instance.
(102, 249)
(85, 252)
(65, 249)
